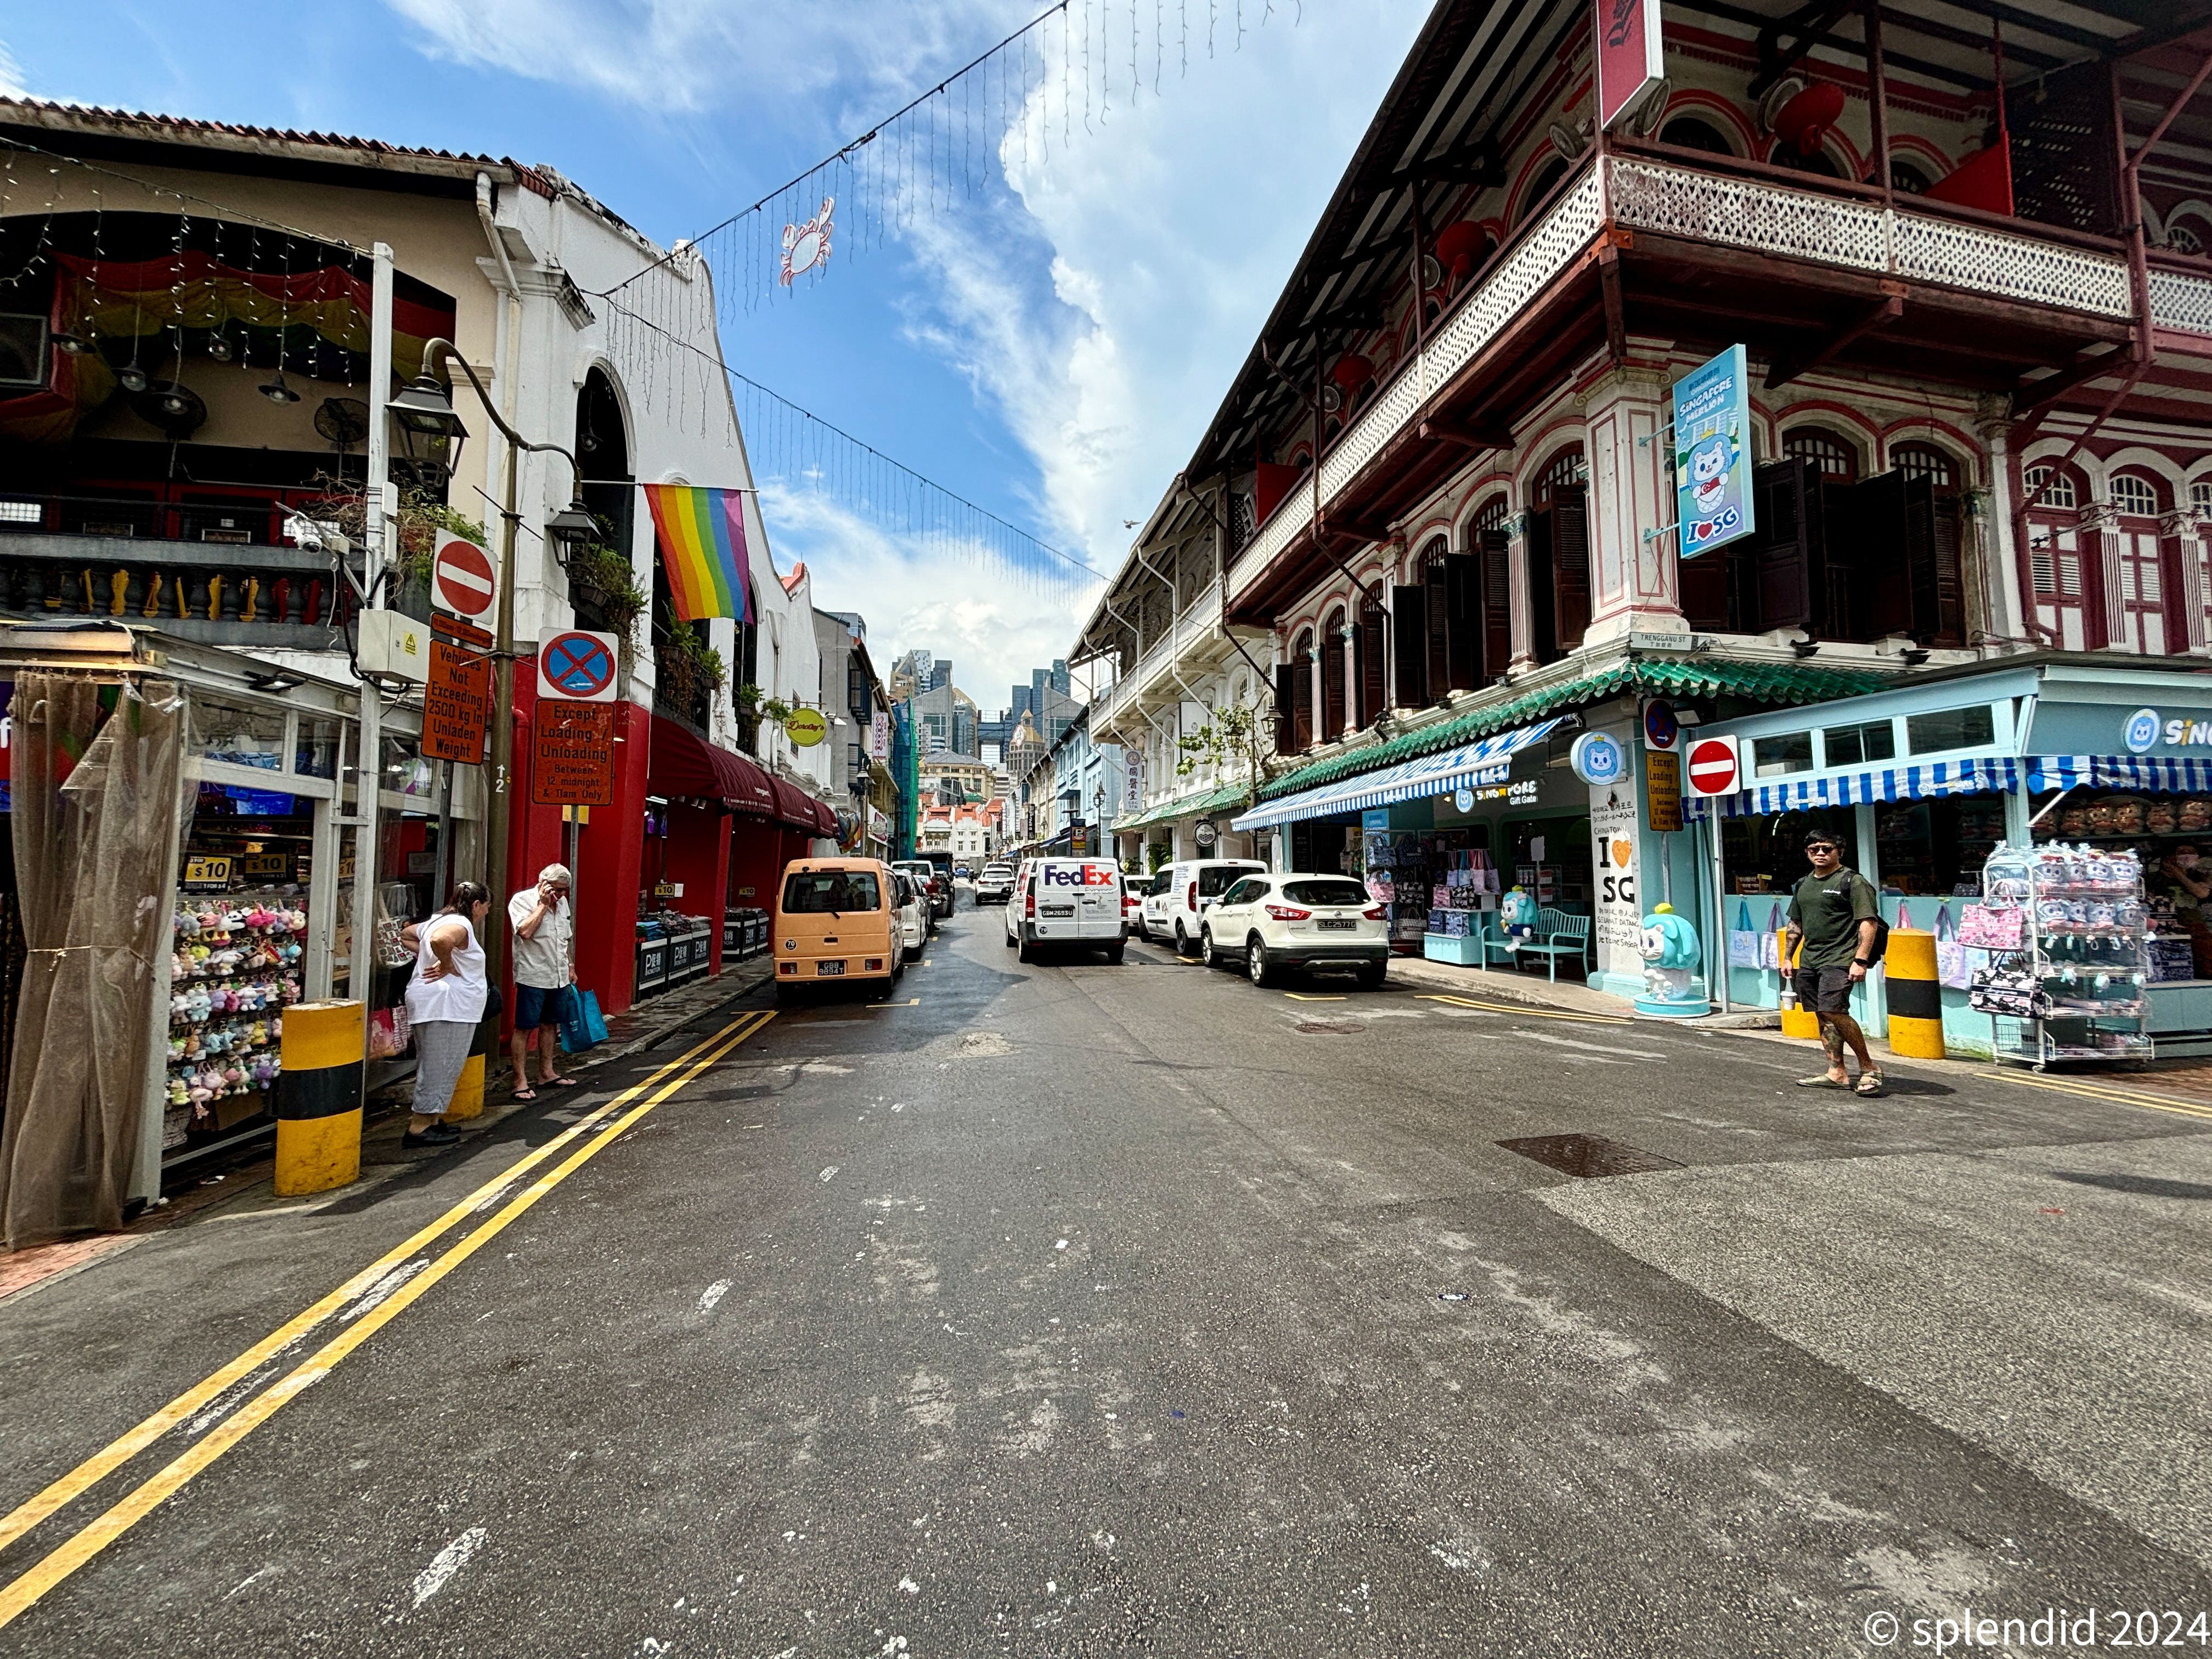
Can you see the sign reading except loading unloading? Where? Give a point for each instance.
(573, 747)
(576, 665)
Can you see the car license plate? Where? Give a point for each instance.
(1055, 910)
(828, 967)
(1335, 927)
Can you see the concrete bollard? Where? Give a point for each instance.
(1796, 1021)
(1915, 996)
(319, 1098)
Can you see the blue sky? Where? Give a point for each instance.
(1050, 347)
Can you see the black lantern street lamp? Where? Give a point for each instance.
(430, 434)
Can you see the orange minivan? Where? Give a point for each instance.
(836, 921)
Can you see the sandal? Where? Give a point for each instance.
(525, 1094)
(561, 1083)
(1870, 1083)
(1823, 1081)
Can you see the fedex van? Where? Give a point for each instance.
(1070, 902)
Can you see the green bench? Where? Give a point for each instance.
(1559, 933)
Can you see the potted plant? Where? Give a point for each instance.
(601, 579)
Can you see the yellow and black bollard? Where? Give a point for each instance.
(319, 1098)
(468, 1099)
(1915, 996)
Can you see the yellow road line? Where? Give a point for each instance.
(1522, 1008)
(100, 1464)
(1296, 997)
(26, 1590)
(2108, 1092)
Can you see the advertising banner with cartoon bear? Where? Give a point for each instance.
(1712, 462)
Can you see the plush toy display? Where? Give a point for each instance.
(235, 962)
(1517, 915)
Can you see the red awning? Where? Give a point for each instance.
(684, 764)
(800, 810)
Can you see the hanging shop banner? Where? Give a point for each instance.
(456, 704)
(1712, 464)
(1596, 758)
(1133, 782)
(879, 736)
(1631, 58)
(577, 665)
(1662, 789)
(574, 755)
(805, 726)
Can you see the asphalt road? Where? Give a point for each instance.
(1070, 1309)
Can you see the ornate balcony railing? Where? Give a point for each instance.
(1711, 206)
(1197, 622)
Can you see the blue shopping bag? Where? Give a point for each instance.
(581, 1022)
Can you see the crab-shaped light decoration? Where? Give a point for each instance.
(807, 247)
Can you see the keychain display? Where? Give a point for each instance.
(2069, 932)
(234, 969)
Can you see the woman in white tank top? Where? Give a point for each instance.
(445, 999)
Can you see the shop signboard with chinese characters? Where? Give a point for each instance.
(879, 736)
(456, 703)
(1712, 454)
(574, 745)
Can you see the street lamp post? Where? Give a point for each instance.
(424, 414)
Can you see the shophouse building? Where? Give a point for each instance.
(1430, 532)
(859, 745)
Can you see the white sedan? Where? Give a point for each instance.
(1267, 923)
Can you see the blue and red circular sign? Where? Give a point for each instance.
(577, 665)
(1661, 727)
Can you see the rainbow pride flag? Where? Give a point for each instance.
(702, 548)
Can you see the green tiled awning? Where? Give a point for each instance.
(1184, 807)
(1774, 683)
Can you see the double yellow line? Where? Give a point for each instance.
(1529, 1012)
(609, 1120)
(2107, 1092)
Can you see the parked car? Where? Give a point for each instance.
(915, 917)
(961, 872)
(1181, 894)
(941, 894)
(1267, 924)
(1073, 902)
(934, 882)
(1133, 904)
(834, 919)
(996, 881)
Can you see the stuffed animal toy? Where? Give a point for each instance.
(1517, 915)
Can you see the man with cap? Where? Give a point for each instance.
(545, 933)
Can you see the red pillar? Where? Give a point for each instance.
(755, 863)
(699, 861)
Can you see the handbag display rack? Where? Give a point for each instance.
(2074, 990)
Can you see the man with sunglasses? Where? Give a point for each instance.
(1835, 916)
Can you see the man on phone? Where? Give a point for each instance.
(1835, 916)
(544, 975)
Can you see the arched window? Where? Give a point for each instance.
(1818, 163)
(2200, 498)
(1833, 456)
(1564, 470)
(2186, 235)
(1909, 177)
(2061, 496)
(603, 458)
(1489, 516)
(1333, 675)
(1550, 175)
(1301, 699)
(1689, 132)
(1926, 461)
(2134, 494)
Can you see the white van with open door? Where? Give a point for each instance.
(1069, 901)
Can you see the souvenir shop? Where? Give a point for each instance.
(141, 763)
(1437, 839)
(2080, 786)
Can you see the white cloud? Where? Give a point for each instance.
(11, 74)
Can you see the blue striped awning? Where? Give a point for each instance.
(1887, 783)
(1489, 761)
(2119, 772)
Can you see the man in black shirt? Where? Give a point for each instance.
(1835, 917)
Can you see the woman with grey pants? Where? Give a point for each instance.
(445, 1002)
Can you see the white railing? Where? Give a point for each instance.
(1712, 207)
(1197, 622)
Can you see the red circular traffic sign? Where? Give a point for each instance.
(1713, 766)
(577, 665)
(464, 579)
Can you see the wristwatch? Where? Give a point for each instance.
(1860, 961)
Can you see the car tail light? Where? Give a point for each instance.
(786, 967)
(872, 962)
(1029, 908)
(1289, 912)
(1373, 912)
(1190, 900)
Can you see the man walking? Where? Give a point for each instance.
(544, 973)
(1835, 916)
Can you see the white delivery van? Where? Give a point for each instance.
(1181, 894)
(1069, 901)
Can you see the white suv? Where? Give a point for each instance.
(1268, 923)
(994, 883)
(1176, 904)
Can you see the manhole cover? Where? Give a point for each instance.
(1588, 1155)
(1329, 1027)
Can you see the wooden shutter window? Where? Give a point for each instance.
(1463, 584)
(1571, 564)
(1436, 583)
(1333, 679)
(1286, 695)
(1781, 560)
(1879, 533)
(1409, 646)
(1496, 602)
(1932, 560)
(1374, 690)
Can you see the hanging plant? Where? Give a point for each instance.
(598, 575)
(689, 667)
(416, 527)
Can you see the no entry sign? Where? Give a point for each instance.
(1715, 768)
(462, 578)
(576, 665)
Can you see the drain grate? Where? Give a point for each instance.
(1588, 1155)
(1329, 1027)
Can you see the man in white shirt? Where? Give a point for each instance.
(544, 972)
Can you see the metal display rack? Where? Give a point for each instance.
(2075, 990)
